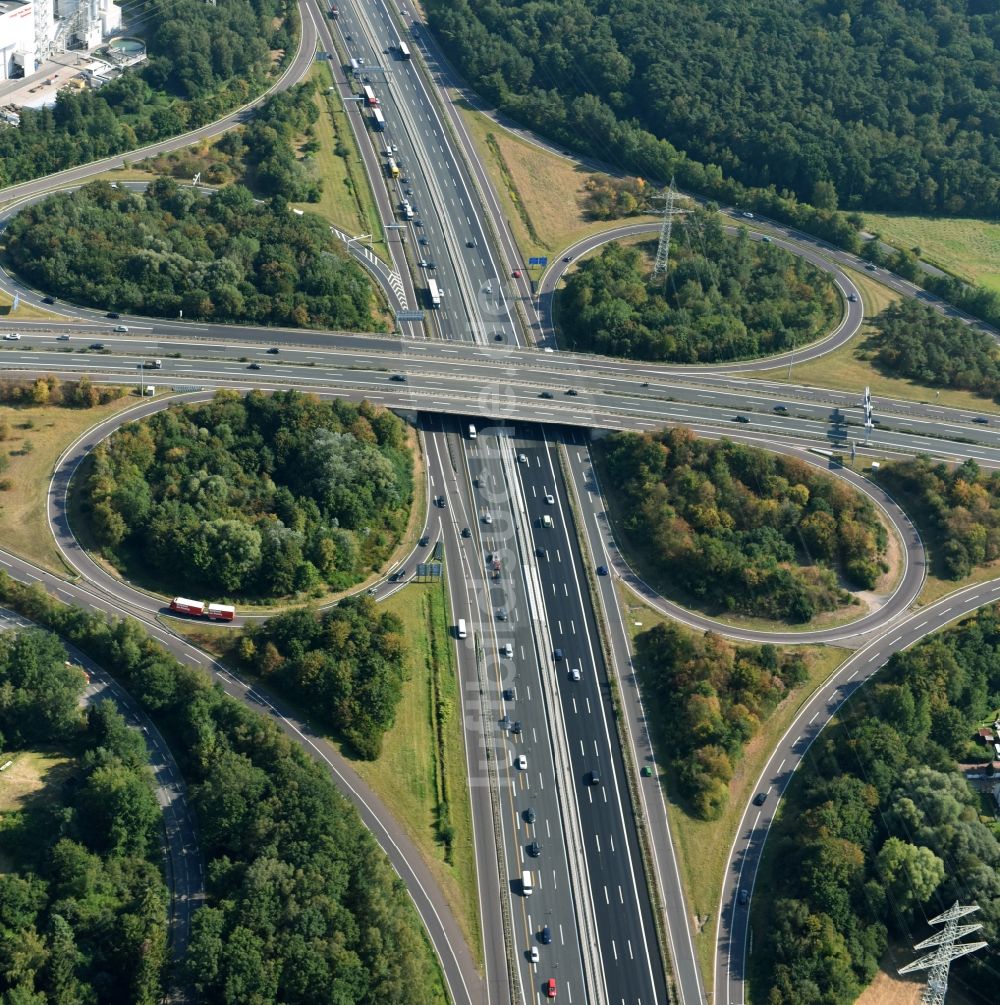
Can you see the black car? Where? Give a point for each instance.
(760, 799)
(254, 366)
(781, 409)
(568, 258)
(502, 614)
(744, 897)
(545, 935)
(471, 242)
(442, 502)
(273, 351)
(48, 300)
(424, 541)
(397, 576)
(96, 345)
(508, 694)
(423, 240)
(114, 315)
(431, 266)
(981, 419)
(539, 553)
(466, 532)
(572, 392)
(534, 849)
(740, 418)
(498, 337)
(516, 728)
(546, 394)
(400, 378)
(602, 570)
(529, 815)
(593, 778)
(557, 655)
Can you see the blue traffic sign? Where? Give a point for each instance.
(538, 261)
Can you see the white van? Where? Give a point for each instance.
(527, 883)
(472, 431)
(547, 521)
(460, 628)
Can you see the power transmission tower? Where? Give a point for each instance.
(663, 251)
(949, 948)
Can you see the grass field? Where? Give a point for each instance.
(703, 846)
(410, 777)
(346, 200)
(541, 195)
(31, 774)
(968, 248)
(24, 527)
(25, 312)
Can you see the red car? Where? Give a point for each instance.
(550, 988)
(516, 273)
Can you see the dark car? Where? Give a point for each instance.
(572, 392)
(602, 570)
(981, 419)
(529, 815)
(534, 849)
(442, 502)
(400, 378)
(254, 366)
(431, 266)
(397, 576)
(852, 297)
(502, 614)
(273, 351)
(96, 345)
(466, 532)
(568, 258)
(114, 315)
(593, 778)
(744, 896)
(546, 394)
(781, 409)
(498, 337)
(516, 728)
(557, 655)
(48, 300)
(508, 694)
(545, 936)
(760, 799)
(471, 242)
(539, 553)
(424, 541)
(740, 418)
(423, 240)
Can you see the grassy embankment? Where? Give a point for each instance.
(37, 435)
(703, 845)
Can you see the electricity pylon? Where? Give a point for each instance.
(663, 250)
(949, 948)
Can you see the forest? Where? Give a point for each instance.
(737, 529)
(885, 105)
(304, 908)
(724, 298)
(707, 698)
(957, 509)
(204, 60)
(346, 665)
(260, 496)
(83, 910)
(880, 832)
(915, 341)
(223, 257)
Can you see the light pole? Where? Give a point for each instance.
(142, 389)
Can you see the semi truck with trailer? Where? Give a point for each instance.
(199, 609)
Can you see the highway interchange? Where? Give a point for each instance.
(591, 887)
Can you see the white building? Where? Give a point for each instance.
(33, 30)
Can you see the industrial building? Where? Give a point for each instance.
(32, 31)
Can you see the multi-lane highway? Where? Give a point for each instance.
(590, 888)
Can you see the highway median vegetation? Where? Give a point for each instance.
(204, 60)
(915, 341)
(346, 666)
(879, 831)
(83, 910)
(723, 298)
(254, 497)
(708, 698)
(304, 908)
(734, 529)
(956, 508)
(173, 251)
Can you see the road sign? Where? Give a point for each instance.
(409, 315)
(541, 260)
